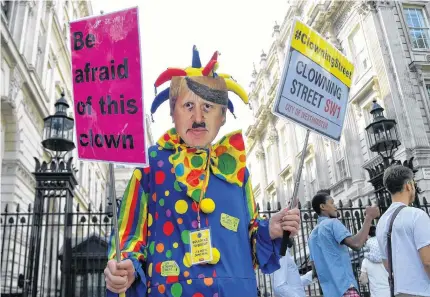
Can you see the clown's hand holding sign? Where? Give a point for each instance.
(188, 224)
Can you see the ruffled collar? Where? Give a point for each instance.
(228, 161)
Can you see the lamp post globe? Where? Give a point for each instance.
(58, 129)
(382, 134)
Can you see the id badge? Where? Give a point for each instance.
(200, 246)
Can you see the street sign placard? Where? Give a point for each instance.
(315, 83)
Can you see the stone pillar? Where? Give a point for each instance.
(274, 142)
(352, 150)
(263, 70)
(263, 176)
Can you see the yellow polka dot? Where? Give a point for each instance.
(181, 206)
(189, 281)
(187, 260)
(175, 245)
(167, 193)
(138, 174)
(160, 148)
(149, 220)
(150, 270)
(149, 290)
(207, 205)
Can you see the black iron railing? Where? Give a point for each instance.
(90, 233)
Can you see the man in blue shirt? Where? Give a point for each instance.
(328, 246)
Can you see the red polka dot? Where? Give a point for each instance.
(194, 206)
(168, 228)
(156, 215)
(166, 137)
(158, 267)
(191, 150)
(237, 142)
(193, 178)
(198, 295)
(159, 177)
(241, 174)
(214, 274)
(147, 170)
(171, 279)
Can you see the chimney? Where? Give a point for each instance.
(276, 31)
(263, 60)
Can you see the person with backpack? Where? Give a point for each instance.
(403, 235)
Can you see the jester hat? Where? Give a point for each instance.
(196, 69)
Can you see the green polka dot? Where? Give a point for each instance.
(153, 154)
(196, 194)
(161, 201)
(176, 156)
(226, 164)
(151, 248)
(196, 161)
(176, 186)
(169, 254)
(168, 146)
(185, 235)
(176, 290)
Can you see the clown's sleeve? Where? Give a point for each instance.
(265, 251)
(132, 228)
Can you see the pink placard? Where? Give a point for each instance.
(107, 88)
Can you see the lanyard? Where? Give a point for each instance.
(204, 187)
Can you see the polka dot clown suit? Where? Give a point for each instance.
(164, 202)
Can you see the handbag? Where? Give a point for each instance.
(390, 252)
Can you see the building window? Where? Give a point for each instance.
(428, 90)
(359, 51)
(300, 136)
(418, 27)
(312, 177)
(283, 144)
(340, 163)
(49, 80)
(269, 171)
(289, 189)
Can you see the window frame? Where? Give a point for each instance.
(408, 29)
(360, 69)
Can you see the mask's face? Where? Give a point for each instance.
(197, 121)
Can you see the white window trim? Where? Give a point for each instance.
(405, 23)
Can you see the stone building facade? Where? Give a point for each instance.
(389, 44)
(35, 68)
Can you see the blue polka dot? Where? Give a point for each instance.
(202, 176)
(179, 170)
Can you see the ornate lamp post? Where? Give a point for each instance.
(382, 134)
(58, 129)
(55, 184)
(384, 140)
